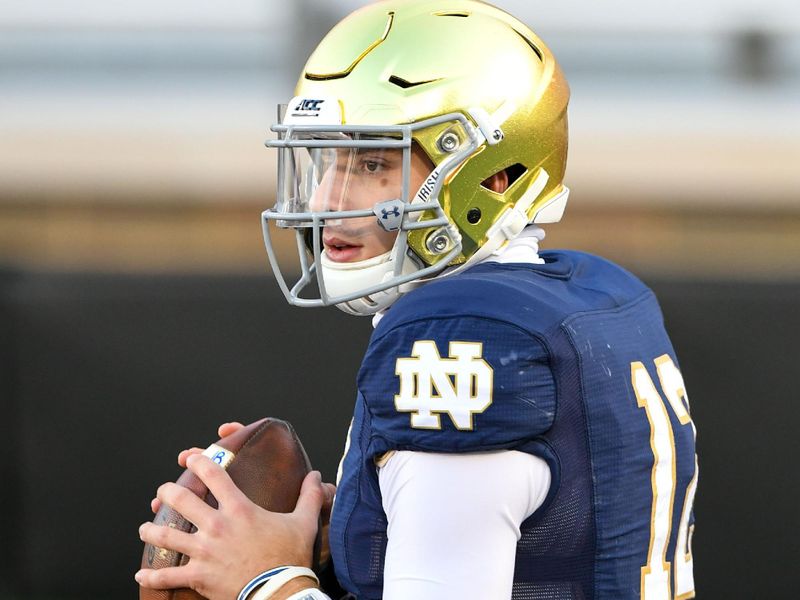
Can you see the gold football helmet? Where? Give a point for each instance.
(468, 85)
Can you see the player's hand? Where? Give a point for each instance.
(324, 524)
(223, 430)
(235, 542)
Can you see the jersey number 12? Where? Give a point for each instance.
(655, 583)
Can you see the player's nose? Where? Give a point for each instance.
(331, 193)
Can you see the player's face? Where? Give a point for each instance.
(353, 180)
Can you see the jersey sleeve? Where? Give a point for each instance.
(456, 384)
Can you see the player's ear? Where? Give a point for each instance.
(497, 183)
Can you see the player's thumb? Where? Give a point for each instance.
(312, 496)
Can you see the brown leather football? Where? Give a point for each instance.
(264, 459)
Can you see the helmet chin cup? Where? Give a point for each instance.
(345, 278)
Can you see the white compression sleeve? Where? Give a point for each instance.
(454, 521)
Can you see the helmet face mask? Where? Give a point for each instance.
(354, 184)
(395, 82)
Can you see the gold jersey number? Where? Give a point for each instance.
(656, 583)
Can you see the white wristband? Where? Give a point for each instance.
(310, 594)
(268, 582)
(276, 582)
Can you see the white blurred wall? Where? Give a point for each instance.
(116, 117)
(133, 97)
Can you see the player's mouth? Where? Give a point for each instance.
(341, 250)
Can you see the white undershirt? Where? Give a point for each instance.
(454, 521)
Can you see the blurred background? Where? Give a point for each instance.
(137, 310)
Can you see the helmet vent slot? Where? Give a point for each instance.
(315, 77)
(533, 47)
(327, 76)
(405, 84)
(451, 14)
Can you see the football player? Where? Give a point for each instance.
(521, 428)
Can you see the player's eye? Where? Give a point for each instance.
(376, 162)
(372, 166)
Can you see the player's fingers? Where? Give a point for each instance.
(166, 578)
(184, 454)
(327, 505)
(227, 429)
(216, 479)
(186, 503)
(330, 491)
(312, 496)
(162, 536)
(155, 505)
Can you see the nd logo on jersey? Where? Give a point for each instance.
(459, 385)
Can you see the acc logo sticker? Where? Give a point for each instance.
(308, 105)
(459, 385)
(320, 110)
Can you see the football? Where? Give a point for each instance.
(264, 459)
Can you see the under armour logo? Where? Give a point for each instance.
(310, 105)
(459, 385)
(389, 214)
(385, 214)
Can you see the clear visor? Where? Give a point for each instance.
(339, 179)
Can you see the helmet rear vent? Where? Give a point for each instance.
(405, 84)
(451, 14)
(532, 45)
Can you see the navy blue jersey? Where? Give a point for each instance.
(568, 361)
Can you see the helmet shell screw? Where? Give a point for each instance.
(449, 142)
(438, 242)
